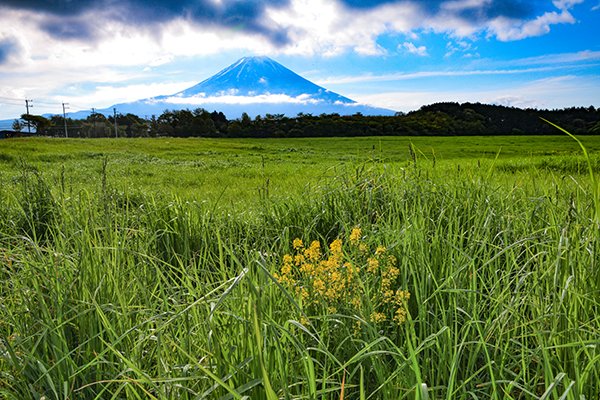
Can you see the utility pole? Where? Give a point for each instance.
(115, 116)
(94, 121)
(65, 118)
(27, 105)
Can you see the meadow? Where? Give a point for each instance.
(332, 268)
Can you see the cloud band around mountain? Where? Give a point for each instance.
(237, 99)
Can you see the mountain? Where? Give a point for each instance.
(255, 85)
(255, 76)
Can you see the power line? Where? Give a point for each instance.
(9, 98)
(40, 104)
(4, 99)
(48, 103)
(45, 107)
(12, 102)
(80, 106)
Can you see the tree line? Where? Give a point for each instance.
(439, 119)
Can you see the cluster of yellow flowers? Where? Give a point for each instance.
(316, 278)
(339, 278)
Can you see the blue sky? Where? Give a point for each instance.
(394, 54)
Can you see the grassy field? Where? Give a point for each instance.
(426, 268)
(235, 170)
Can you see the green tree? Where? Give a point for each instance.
(17, 126)
(246, 120)
(39, 123)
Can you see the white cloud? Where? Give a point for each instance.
(596, 7)
(432, 74)
(566, 4)
(580, 57)
(506, 29)
(412, 49)
(450, 21)
(232, 99)
(467, 49)
(326, 27)
(121, 46)
(107, 95)
(323, 27)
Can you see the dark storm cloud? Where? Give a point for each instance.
(516, 9)
(8, 48)
(68, 28)
(70, 19)
(57, 7)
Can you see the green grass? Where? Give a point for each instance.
(115, 284)
(234, 171)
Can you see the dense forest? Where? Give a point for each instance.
(440, 119)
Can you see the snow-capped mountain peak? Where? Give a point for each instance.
(255, 76)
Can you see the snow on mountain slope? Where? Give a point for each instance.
(260, 76)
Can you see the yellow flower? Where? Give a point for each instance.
(304, 293)
(331, 294)
(355, 235)
(298, 259)
(307, 269)
(388, 296)
(313, 253)
(392, 272)
(335, 276)
(378, 317)
(336, 248)
(350, 270)
(319, 285)
(372, 264)
(297, 244)
(402, 296)
(400, 315)
(385, 284)
(330, 281)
